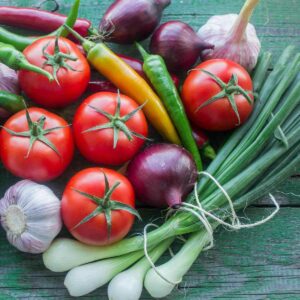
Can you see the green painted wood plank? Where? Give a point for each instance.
(250, 264)
(261, 263)
(277, 21)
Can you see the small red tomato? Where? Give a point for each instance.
(230, 85)
(98, 206)
(65, 61)
(36, 144)
(109, 128)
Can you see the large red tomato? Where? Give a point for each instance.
(108, 133)
(73, 73)
(89, 215)
(199, 87)
(37, 146)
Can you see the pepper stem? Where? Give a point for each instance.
(30, 67)
(241, 23)
(71, 19)
(142, 51)
(209, 152)
(86, 44)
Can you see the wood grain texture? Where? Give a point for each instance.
(261, 263)
(249, 264)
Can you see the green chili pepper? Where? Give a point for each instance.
(157, 72)
(11, 102)
(16, 60)
(21, 42)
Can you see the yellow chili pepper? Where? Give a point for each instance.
(130, 83)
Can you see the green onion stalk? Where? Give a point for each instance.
(255, 159)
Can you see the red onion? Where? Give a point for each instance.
(134, 63)
(127, 21)
(162, 175)
(178, 44)
(96, 86)
(8, 83)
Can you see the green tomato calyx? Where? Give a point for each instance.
(105, 205)
(228, 91)
(117, 123)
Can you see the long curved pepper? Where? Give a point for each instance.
(130, 83)
(157, 72)
(21, 42)
(16, 60)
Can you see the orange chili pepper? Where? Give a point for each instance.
(130, 83)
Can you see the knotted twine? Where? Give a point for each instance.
(203, 215)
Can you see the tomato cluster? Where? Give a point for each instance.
(108, 129)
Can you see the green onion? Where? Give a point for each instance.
(176, 267)
(260, 72)
(87, 278)
(256, 158)
(128, 285)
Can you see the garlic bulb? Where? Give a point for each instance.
(233, 37)
(30, 215)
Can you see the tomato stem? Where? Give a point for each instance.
(117, 123)
(35, 133)
(58, 60)
(228, 91)
(105, 205)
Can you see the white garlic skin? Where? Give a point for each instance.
(30, 215)
(217, 31)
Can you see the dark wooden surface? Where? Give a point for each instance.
(261, 263)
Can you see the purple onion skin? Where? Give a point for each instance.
(9, 83)
(178, 44)
(162, 175)
(127, 21)
(8, 80)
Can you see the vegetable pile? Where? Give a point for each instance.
(112, 127)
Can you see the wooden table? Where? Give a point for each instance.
(261, 263)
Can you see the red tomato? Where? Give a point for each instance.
(42, 162)
(76, 207)
(200, 87)
(98, 145)
(72, 83)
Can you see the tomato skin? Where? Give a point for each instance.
(72, 84)
(199, 87)
(97, 146)
(42, 164)
(75, 207)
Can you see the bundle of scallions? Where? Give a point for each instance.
(254, 160)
